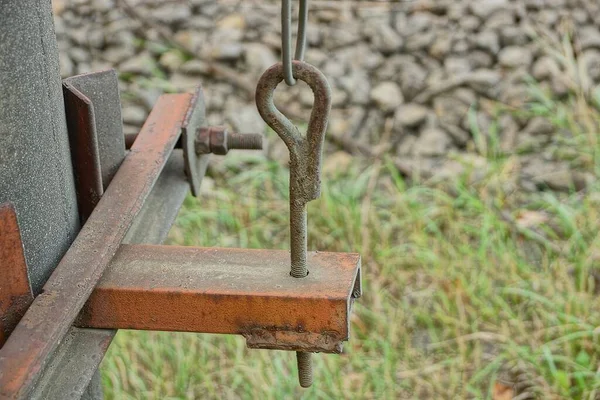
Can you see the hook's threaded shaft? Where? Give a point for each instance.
(305, 159)
(305, 373)
(299, 269)
(298, 237)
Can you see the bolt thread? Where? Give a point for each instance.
(298, 238)
(245, 141)
(305, 372)
(299, 271)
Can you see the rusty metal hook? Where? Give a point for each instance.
(305, 153)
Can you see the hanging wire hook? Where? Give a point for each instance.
(306, 153)
(286, 37)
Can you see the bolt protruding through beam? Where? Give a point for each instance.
(245, 141)
(305, 370)
(217, 140)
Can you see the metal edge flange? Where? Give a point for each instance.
(15, 288)
(85, 150)
(101, 89)
(195, 165)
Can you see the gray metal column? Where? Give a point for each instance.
(36, 174)
(35, 165)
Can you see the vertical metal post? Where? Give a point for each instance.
(36, 174)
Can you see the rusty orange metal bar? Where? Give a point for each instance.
(231, 291)
(49, 317)
(15, 289)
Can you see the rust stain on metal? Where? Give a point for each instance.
(261, 338)
(229, 291)
(51, 314)
(15, 289)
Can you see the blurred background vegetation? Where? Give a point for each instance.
(472, 288)
(461, 163)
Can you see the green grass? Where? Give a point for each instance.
(468, 287)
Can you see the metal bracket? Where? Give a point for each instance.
(100, 91)
(15, 289)
(102, 283)
(95, 134)
(49, 317)
(195, 165)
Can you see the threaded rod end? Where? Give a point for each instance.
(305, 372)
(245, 141)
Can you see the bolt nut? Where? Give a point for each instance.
(218, 140)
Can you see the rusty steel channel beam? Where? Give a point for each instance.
(72, 365)
(50, 316)
(228, 291)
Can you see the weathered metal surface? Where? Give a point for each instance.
(195, 164)
(35, 164)
(15, 290)
(85, 155)
(73, 370)
(86, 347)
(101, 89)
(160, 210)
(93, 124)
(305, 152)
(235, 291)
(48, 319)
